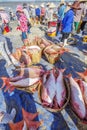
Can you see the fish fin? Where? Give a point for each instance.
(29, 116)
(5, 82)
(33, 124)
(85, 72)
(68, 76)
(81, 74)
(16, 126)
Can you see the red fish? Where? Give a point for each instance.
(33, 125)
(83, 75)
(16, 126)
(29, 116)
(77, 100)
(60, 88)
(32, 71)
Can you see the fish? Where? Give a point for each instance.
(29, 116)
(85, 91)
(15, 62)
(60, 88)
(45, 42)
(48, 87)
(5, 117)
(77, 100)
(25, 82)
(26, 59)
(32, 71)
(83, 75)
(17, 126)
(33, 125)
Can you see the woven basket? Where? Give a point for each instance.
(35, 56)
(52, 57)
(30, 89)
(67, 85)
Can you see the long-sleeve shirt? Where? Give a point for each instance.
(23, 22)
(67, 22)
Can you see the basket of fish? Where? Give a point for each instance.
(53, 53)
(27, 80)
(35, 52)
(54, 92)
(78, 100)
(72, 41)
(43, 43)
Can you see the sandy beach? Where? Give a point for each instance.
(75, 60)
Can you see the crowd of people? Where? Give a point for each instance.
(70, 17)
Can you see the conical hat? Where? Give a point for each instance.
(82, 0)
(2, 8)
(52, 5)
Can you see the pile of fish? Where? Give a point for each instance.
(79, 95)
(26, 55)
(27, 123)
(53, 53)
(26, 78)
(53, 92)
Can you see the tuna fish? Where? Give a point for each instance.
(5, 118)
(60, 89)
(77, 101)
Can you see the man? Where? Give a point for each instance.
(67, 23)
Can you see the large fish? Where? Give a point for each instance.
(44, 93)
(83, 75)
(32, 71)
(26, 82)
(50, 85)
(5, 118)
(85, 91)
(60, 89)
(77, 100)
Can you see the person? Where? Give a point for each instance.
(32, 8)
(78, 15)
(42, 14)
(5, 20)
(4, 51)
(25, 10)
(67, 22)
(37, 13)
(23, 22)
(61, 12)
(47, 12)
(84, 18)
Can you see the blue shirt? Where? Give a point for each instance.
(37, 11)
(67, 22)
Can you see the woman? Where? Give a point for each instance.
(23, 22)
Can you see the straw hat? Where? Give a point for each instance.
(52, 5)
(82, 0)
(48, 4)
(36, 6)
(32, 6)
(42, 5)
(76, 5)
(2, 8)
(19, 8)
